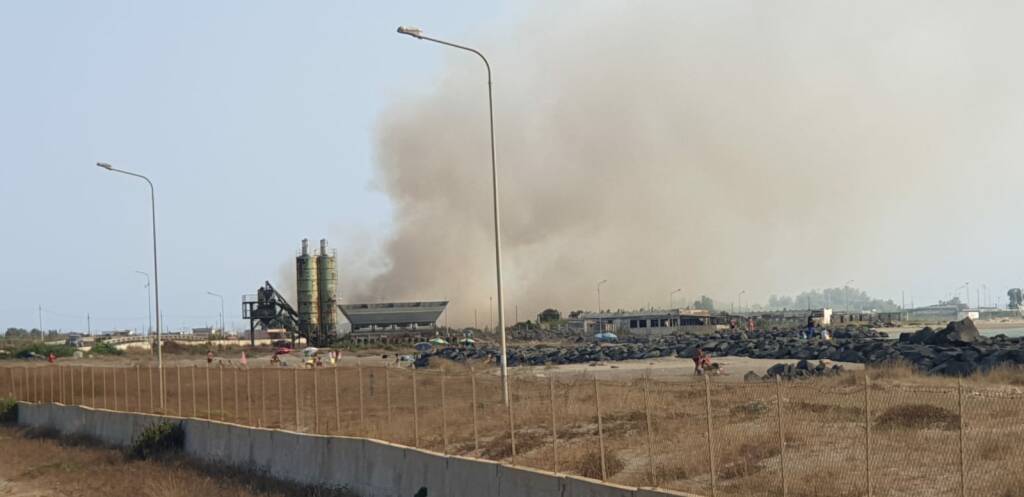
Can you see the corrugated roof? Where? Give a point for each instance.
(393, 313)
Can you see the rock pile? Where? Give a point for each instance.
(956, 350)
(800, 370)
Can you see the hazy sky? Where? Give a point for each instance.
(253, 119)
(718, 146)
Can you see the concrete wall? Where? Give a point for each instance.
(369, 468)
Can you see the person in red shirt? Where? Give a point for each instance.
(52, 358)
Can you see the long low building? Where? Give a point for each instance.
(393, 321)
(650, 322)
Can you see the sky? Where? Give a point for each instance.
(263, 123)
(253, 119)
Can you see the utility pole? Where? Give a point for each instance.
(88, 323)
(41, 323)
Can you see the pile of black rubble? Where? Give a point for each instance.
(957, 349)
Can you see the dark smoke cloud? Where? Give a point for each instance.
(709, 145)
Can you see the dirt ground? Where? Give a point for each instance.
(33, 466)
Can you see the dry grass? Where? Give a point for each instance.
(31, 463)
(917, 417)
(823, 422)
(588, 464)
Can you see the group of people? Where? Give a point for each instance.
(702, 363)
(811, 332)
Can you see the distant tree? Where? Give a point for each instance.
(704, 303)
(548, 315)
(16, 333)
(1016, 296)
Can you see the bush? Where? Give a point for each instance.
(918, 417)
(8, 411)
(158, 439)
(43, 350)
(104, 348)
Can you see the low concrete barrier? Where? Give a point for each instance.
(369, 468)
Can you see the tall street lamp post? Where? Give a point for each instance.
(221, 297)
(156, 277)
(418, 34)
(673, 292)
(739, 300)
(149, 303)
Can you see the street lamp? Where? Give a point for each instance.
(221, 297)
(670, 294)
(739, 300)
(599, 283)
(149, 302)
(417, 33)
(156, 277)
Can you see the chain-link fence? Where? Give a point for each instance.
(843, 436)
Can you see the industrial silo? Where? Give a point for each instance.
(327, 282)
(306, 292)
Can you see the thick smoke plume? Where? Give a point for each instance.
(713, 146)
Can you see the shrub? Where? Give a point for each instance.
(590, 464)
(8, 411)
(157, 439)
(43, 350)
(918, 417)
(104, 348)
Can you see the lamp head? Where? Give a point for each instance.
(411, 31)
(104, 165)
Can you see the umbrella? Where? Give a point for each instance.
(606, 337)
(438, 341)
(424, 346)
(310, 351)
(467, 341)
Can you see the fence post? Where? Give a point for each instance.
(337, 403)
(248, 396)
(867, 432)
(81, 384)
(60, 374)
(476, 432)
(782, 437)
(316, 402)
(263, 398)
(387, 392)
(209, 406)
(234, 391)
(125, 388)
(138, 387)
(600, 430)
(650, 432)
(152, 404)
(960, 412)
(554, 430)
(220, 386)
(295, 378)
(415, 412)
(92, 384)
(362, 408)
(711, 445)
(177, 372)
(511, 421)
(103, 374)
(444, 414)
(280, 398)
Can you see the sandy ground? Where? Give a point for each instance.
(667, 368)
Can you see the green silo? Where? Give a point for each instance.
(306, 291)
(327, 283)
